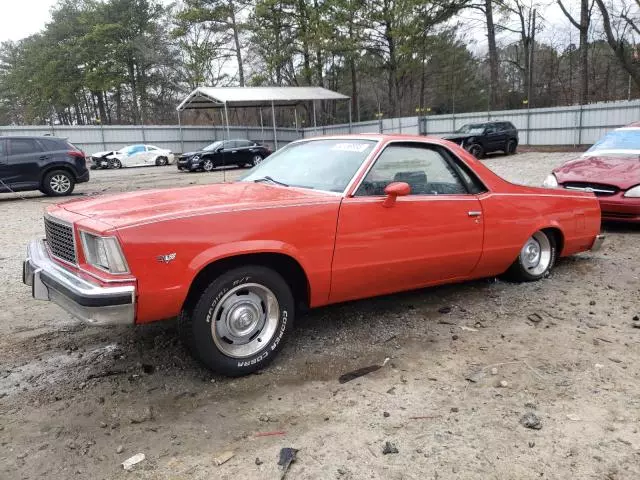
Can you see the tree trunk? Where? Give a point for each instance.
(101, 107)
(493, 57)
(618, 46)
(584, 52)
(134, 91)
(236, 40)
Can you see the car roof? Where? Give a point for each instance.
(380, 137)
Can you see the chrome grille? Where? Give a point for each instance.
(60, 239)
(597, 188)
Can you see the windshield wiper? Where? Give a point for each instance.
(267, 178)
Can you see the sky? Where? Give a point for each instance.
(22, 18)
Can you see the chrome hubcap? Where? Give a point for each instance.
(60, 183)
(245, 320)
(535, 256)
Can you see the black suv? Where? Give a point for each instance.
(481, 138)
(243, 153)
(49, 164)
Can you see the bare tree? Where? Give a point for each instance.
(583, 28)
(617, 33)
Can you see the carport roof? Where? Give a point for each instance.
(217, 97)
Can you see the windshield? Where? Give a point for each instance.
(473, 129)
(320, 164)
(621, 141)
(213, 146)
(131, 149)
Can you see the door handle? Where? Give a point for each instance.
(234, 151)
(474, 213)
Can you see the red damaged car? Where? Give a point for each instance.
(320, 221)
(611, 170)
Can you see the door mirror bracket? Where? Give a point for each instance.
(393, 191)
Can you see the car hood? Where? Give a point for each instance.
(458, 136)
(199, 152)
(102, 154)
(128, 209)
(621, 171)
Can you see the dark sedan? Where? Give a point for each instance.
(243, 153)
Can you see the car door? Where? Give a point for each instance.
(233, 152)
(134, 156)
(432, 235)
(492, 137)
(24, 157)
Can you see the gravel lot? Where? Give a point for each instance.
(466, 363)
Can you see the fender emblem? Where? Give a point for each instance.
(166, 258)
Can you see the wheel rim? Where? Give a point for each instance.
(163, 161)
(475, 151)
(535, 256)
(245, 320)
(208, 165)
(60, 183)
(257, 159)
(117, 164)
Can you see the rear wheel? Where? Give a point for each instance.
(536, 258)
(240, 320)
(476, 150)
(162, 161)
(510, 148)
(58, 183)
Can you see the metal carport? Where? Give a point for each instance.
(225, 97)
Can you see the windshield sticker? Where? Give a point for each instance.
(351, 147)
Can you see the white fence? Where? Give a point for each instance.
(576, 125)
(173, 137)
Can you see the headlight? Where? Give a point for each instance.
(633, 192)
(550, 182)
(195, 158)
(104, 253)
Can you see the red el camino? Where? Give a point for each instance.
(321, 221)
(611, 170)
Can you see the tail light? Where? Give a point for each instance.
(76, 153)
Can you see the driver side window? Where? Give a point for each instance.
(423, 167)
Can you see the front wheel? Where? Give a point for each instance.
(207, 166)
(536, 258)
(256, 160)
(476, 150)
(240, 320)
(115, 163)
(162, 161)
(58, 183)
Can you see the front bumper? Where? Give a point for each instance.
(88, 301)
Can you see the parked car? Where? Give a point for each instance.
(242, 153)
(482, 138)
(49, 164)
(133, 156)
(320, 221)
(611, 170)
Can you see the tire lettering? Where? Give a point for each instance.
(214, 303)
(283, 326)
(241, 281)
(253, 361)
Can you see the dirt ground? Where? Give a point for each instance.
(466, 362)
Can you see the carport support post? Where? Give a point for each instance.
(273, 119)
(315, 125)
(349, 115)
(226, 119)
(181, 135)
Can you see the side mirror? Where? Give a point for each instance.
(395, 190)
